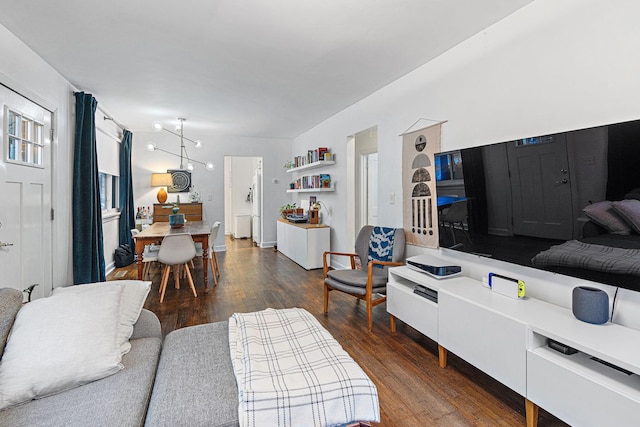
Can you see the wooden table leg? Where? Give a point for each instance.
(442, 356)
(139, 252)
(392, 323)
(205, 262)
(531, 409)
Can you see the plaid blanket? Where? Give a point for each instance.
(574, 253)
(291, 372)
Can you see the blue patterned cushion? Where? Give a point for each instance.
(381, 244)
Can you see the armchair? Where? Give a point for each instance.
(377, 248)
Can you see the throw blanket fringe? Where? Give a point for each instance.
(291, 372)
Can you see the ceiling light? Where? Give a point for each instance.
(183, 150)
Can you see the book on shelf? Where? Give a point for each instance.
(312, 181)
(313, 156)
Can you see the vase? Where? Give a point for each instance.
(176, 220)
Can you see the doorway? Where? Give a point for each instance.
(362, 154)
(243, 198)
(25, 185)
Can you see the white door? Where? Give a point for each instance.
(25, 186)
(540, 187)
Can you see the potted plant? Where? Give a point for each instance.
(287, 209)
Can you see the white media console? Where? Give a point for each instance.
(507, 339)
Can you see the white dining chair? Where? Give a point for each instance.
(213, 257)
(149, 255)
(176, 251)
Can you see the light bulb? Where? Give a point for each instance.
(190, 166)
(210, 166)
(157, 126)
(151, 146)
(198, 143)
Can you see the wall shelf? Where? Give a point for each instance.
(310, 190)
(312, 166)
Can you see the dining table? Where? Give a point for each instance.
(198, 230)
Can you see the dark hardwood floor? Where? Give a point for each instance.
(413, 389)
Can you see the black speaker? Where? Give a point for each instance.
(590, 305)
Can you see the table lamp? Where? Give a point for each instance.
(161, 180)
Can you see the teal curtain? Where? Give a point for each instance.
(88, 249)
(127, 214)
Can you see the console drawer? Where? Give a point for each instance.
(416, 311)
(581, 391)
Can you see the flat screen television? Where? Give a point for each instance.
(527, 196)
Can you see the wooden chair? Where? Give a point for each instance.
(369, 283)
(176, 250)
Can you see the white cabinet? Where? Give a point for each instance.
(489, 340)
(581, 391)
(241, 226)
(303, 243)
(508, 339)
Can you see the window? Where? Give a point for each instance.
(25, 139)
(108, 150)
(534, 140)
(449, 166)
(108, 191)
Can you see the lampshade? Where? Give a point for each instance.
(161, 179)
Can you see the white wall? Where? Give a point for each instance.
(210, 184)
(26, 73)
(552, 66)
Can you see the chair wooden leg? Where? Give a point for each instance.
(213, 271)
(326, 298)
(215, 257)
(163, 285)
(193, 288)
(392, 323)
(370, 314)
(145, 270)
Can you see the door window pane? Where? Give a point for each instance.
(13, 148)
(26, 139)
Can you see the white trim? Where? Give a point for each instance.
(108, 216)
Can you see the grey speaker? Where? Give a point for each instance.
(590, 305)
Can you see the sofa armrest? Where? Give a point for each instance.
(147, 326)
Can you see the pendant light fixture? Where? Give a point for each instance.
(179, 132)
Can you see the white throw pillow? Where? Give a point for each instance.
(59, 343)
(133, 297)
(603, 214)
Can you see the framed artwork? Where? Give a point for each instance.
(181, 181)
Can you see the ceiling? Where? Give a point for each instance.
(241, 67)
